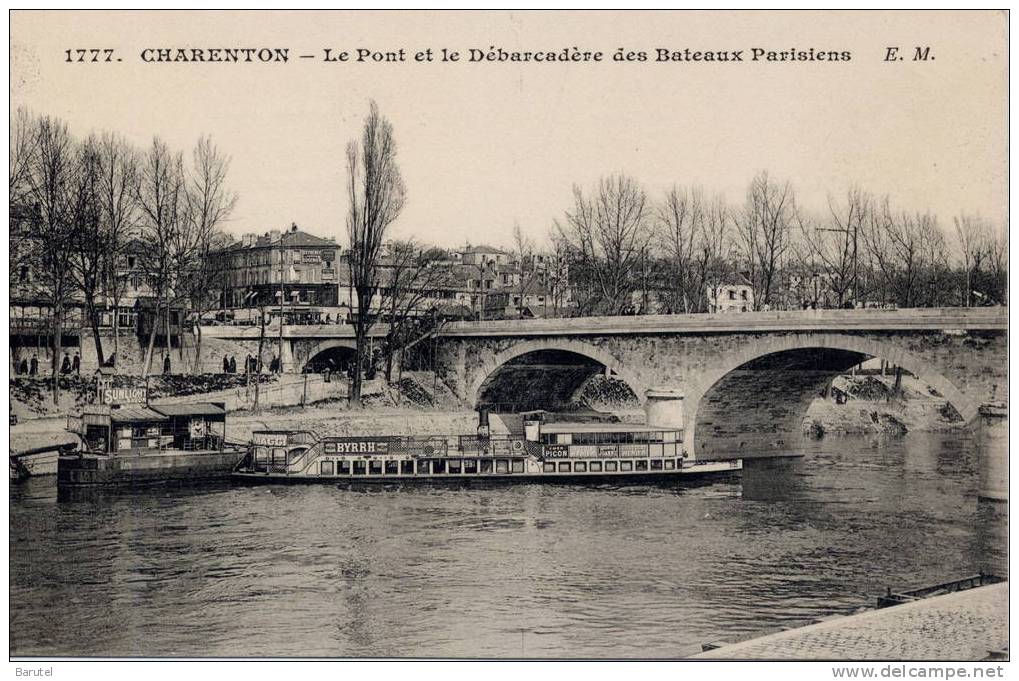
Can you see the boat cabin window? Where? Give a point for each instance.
(610, 438)
(438, 466)
(422, 467)
(641, 465)
(626, 465)
(596, 466)
(343, 467)
(517, 465)
(548, 467)
(360, 467)
(486, 465)
(611, 466)
(470, 465)
(502, 466)
(374, 468)
(326, 468)
(580, 467)
(392, 467)
(564, 466)
(453, 466)
(656, 464)
(407, 467)
(670, 464)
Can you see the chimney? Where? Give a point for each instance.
(293, 226)
(248, 240)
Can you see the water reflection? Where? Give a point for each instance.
(522, 570)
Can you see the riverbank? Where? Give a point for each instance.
(867, 404)
(967, 625)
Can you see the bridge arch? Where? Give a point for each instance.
(490, 368)
(333, 351)
(840, 352)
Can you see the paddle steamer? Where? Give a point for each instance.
(545, 451)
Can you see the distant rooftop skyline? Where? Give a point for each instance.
(485, 146)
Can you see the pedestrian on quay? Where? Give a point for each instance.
(76, 363)
(33, 366)
(65, 366)
(166, 364)
(233, 364)
(23, 367)
(226, 364)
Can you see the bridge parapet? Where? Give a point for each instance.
(920, 319)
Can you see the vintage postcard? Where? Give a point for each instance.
(509, 335)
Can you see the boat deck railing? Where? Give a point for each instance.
(273, 460)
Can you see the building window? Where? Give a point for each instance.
(743, 294)
(732, 295)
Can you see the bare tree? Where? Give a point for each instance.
(607, 233)
(88, 245)
(996, 287)
(908, 250)
(834, 243)
(24, 137)
(50, 180)
(209, 204)
(714, 254)
(764, 227)
(118, 201)
(161, 189)
(974, 236)
(679, 226)
(377, 195)
(557, 277)
(408, 284)
(24, 133)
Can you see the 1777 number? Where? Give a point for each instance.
(90, 55)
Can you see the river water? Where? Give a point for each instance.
(498, 571)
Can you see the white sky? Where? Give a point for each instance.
(483, 146)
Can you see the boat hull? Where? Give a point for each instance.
(34, 464)
(699, 471)
(167, 466)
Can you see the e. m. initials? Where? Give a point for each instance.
(919, 54)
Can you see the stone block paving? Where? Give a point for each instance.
(967, 625)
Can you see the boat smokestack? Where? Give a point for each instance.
(483, 428)
(664, 408)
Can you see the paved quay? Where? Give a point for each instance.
(966, 625)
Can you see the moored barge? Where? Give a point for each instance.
(148, 444)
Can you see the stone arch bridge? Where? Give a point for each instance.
(747, 378)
